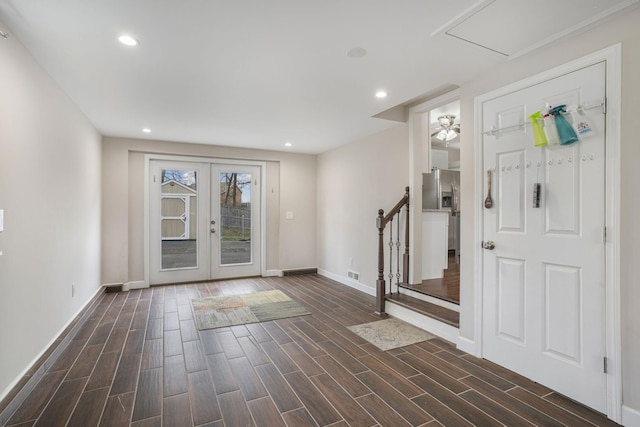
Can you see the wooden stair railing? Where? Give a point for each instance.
(381, 223)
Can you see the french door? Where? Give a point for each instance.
(204, 221)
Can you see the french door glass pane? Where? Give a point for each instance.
(178, 218)
(235, 218)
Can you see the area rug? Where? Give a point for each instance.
(390, 333)
(231, 310)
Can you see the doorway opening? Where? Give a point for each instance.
(441, 206)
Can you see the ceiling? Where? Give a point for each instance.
(259, 74)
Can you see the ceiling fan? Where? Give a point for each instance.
(447, 129)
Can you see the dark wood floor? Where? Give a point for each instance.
(447, 288)
(138, 360)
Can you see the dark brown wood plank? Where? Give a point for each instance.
(35, 403)
(433, 373)
(155, 329)
(248, 380)
(580, 410)
(258, 332)
(346, 379)
(302, 359)
(494, 409)
(176, 411)
(317, 405)
(117, 412)
(254, 352)
(383, 413)
(210, 341)
(282, 395)
(189, 330)
(105, 370)
(475, 370)
(148, 401)
(410, 411)
(61, 405)
(391, 361)
(175, 376)
(68, 356)
(85, 362)
(265, 413)
(299, 418)
(441, 412)
(396, 380)
(116, 340)
(172, 343)
(89, 408)
(134, 342)
(234, 410)
(345, 359)
(454, 402)
(439, 363)
(152, 354)
(279, 357)
(194, 356)
(204, 404)
(511, 403)
(553, 411)
(126, 375)
(101, 333)
(230, 345)
(350, 410)
(223, 379)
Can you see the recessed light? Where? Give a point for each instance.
(146, 130)
(381, 94)
(128, 40)
(356, 52)
(288, 144)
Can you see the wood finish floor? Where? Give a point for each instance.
(447, 288)
(138, 360)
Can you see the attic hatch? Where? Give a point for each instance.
(512, 28)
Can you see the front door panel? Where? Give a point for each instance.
(543, 284)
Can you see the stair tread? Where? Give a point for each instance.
(437, 312)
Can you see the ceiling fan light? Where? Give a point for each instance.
(442, 135)
(451, 134)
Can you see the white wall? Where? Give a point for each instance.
(354, 181)
(290, 187)
(50, 193)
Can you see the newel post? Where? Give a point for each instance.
(381, 287)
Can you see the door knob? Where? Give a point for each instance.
(490, 245)
(213, 230)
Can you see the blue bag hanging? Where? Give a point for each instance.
(566, 133)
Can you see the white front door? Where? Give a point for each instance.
(544, 282)
(204, 221)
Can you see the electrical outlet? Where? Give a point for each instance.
(73, 290)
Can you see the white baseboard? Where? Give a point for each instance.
(468, 346)
(137, 284)
(272, 273)
(630, 417)
(13, 383)
(433, 326)
(348, 282)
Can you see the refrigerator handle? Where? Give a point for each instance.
(454, 199)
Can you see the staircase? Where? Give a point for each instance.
(407, 302)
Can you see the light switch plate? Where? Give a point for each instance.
(1, 219)
(289, 215)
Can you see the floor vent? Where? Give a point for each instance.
(113, 287)
(300, 271)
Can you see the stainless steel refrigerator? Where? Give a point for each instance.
(441, 191)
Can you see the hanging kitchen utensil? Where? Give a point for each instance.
(579, 122)
(566, 134)
(537, 189)
(539, 138)
(488, 203)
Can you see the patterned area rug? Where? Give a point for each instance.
(230, 310)
(390, 333)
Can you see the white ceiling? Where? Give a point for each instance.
(254, 73)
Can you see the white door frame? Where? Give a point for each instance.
(263, 211)
(418, 134)
(612, 56)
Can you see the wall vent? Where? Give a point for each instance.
(353, 275)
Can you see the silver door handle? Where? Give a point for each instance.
(489, 245)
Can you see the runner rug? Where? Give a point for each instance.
(231, 310)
